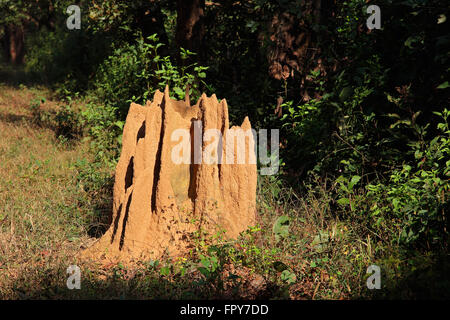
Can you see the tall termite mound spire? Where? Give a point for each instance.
(160, 199)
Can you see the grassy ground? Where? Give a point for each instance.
(54, 201)
(41, 220)
(47, 216)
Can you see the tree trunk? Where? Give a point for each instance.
(14, 39)
(190, 25)
(150, 19)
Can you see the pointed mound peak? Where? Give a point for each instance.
(246, 124)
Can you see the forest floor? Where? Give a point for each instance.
(41, 223)
(47, 215)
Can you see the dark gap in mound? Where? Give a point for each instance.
(116, 223)
(125, 219)
(129, 174)
(141, 132)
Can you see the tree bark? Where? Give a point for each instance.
(14, 40)
(150, 19)
(190, 25)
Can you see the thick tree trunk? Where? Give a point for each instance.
(150, 20)
(190, 25)
(14, 41)
(5, 45)
(294, 46)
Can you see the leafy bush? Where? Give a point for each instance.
(410, 207)
(66, 60)
(67, 122)
(414, 203)
(136, 71)
(105, 130)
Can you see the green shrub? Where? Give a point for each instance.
(105, 129)
(415, 200)
(134, 72)
(66, 60)
(410, 207)
(67, 122)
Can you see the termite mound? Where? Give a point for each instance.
(158, 204)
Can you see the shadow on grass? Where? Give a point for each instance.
(17, 75)
(103, 215)
(419, 280)
(120, 283)
(14, 118)
(147, 283)
(425, 283)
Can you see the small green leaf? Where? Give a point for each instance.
(119, 124)
(345, 93)
(204, 271)
(288, 276)
(343, 201)
(179, 92)
(355, 180)
(165, 271)
(443, 85)
(281, 227)
(441, 19)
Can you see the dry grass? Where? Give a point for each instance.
(41, 223)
